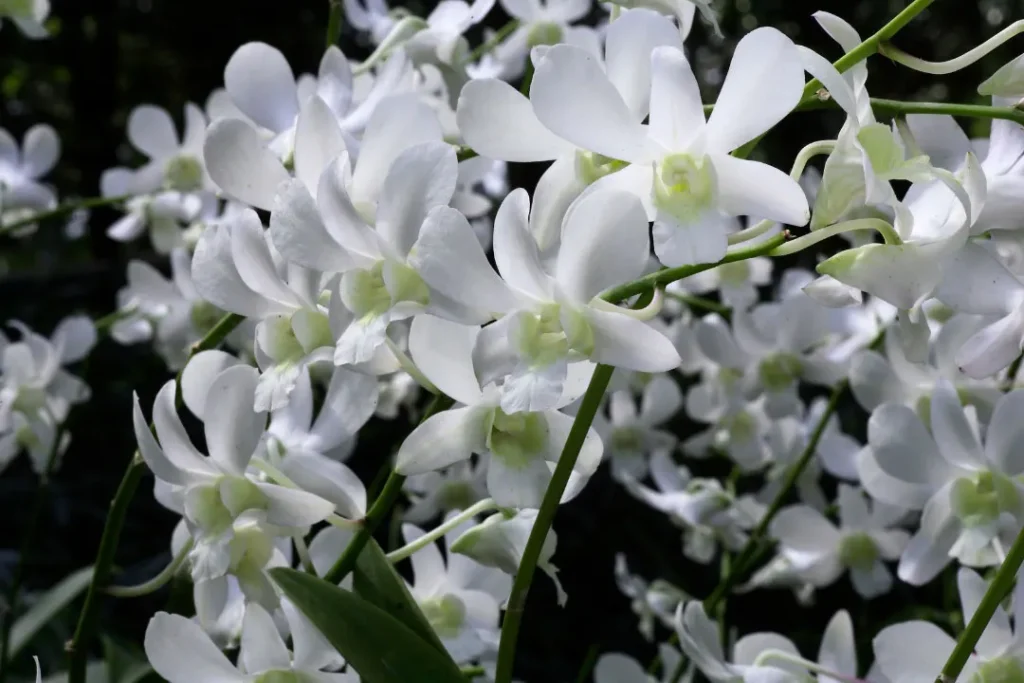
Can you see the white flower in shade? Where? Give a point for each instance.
(500, 540)
(655, 601)
(460, 598)
(164, 216)
(397, 391)
(168, 311)
(739, 427)
(455, 488)
(764, 657)
(631, 436)
(911, 652)
(892, 378)
(370, 16)
(682, 10)
(28, 16)
(441, 42)
(38, 436)
(181, 652)
(236, 268)
(173, 164)
(499, 122)
(213, 491)
(702, 507)
(545, 22)
(736, 283)
(976, 281)
(614, 667)
(946, 145)
(970, 499)
(821, 552)
(523, 446)
(33, 380)
(551, 322)
(20, 170)
(680, 165)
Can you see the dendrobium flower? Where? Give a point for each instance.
(913, 650)
(213, 491)
(631, 436)
(821, 553)
(523, 446)
(759, 657)
(28, 16)
(680, 165)
(181, 652)
(20, 171)
(971, 501)
(174, 165)
(545, 22)
(656, 600)
(553, 321)
(438, 492)
(371, 16)
(460, 598)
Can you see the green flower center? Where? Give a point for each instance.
(591, 167)
(183, 173)
(980, 499)
(280, 676)
(779, 371)
(518, 439)
(629, 439)
(544, 33)
(858, 551)
(735, 273)
(684, 186)
(445, 614)
(456, 495)
(374, 291)
(999, 670)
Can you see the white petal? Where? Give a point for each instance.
(241, 165)
(443, 439)
(677, 113)
(293, 508)
(498, 122)
(661, 400)
(704, 240)
(318, 141)
(200, 372)
(519, 486)
(993, 348)
(853, 508)
(350, 402)
(903, 447)
(618, 668)
(421, 178)
(173, 437)
(625, 342)
(573, 97)
(151, 131)
(515, 251)
(428, 567)
(328, 480)
(941, 138)
(927, 553)
(262, 85)
(975, 281)
(604, 244)
(341, 219)
(161, 466)
(913, 651)
(998, 635)
(40, 151)
(873, 381)
(751, 188)
(262, 648)
(300, 235)
(629, 41)
(957, 440)
(447, 238)
(233, 428)
(718, 344)
(170, 635)
(1006, 433)
(765, 69)
(838, 651)
(75, 336)
(443, 352)
(556, 190)
(802, 528)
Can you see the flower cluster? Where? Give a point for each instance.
(352, 237)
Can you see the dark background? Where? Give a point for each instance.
(107, 56)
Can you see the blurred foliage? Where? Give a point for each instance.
(107, 56)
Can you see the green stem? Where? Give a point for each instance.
(949, 66)
(815, 236)
(63, 210)
(591, 657)
(77, 649)
(850, 59)
(545, 516)
(664, 276)
(38, 503)
(472, 672)
(495, 40)
(997, 590)
(110, 319)
(701, 303)
(746, 554)
(333, 23)
(524, 87)
(442, 529)
(158, 581)
(900, 107)
(379, 510)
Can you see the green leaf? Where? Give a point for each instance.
(378, 646)
(375, 580)
(46, 608)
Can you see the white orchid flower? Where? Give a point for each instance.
(821, 552)
(523, 446)
(971, 502)
(173, 164)
(20, 170)
(438, 492)
(630, 436)
(657, 600)
(680, 165)
(501, 123)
